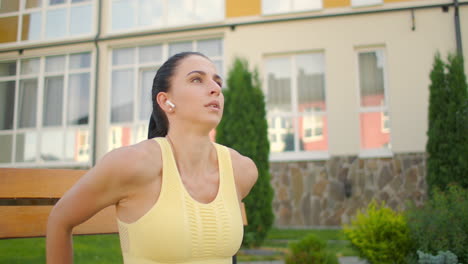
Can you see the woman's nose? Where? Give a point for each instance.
(215, 88)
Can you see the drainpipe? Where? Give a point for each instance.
(457, 29)
(96, 81)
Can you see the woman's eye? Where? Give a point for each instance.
(196, 80)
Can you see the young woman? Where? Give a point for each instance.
(177, 194)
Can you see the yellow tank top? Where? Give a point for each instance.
(179, 229)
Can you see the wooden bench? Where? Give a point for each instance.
(27, 196)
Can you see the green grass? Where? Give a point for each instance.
(105, 249)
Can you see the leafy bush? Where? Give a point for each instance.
(380, 235)
(244, 128)
(447, 144)
(309, 250)
(442, 223)
(443, 257)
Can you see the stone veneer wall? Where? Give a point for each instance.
(328, 193)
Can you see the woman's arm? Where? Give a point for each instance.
(245, 173)
(107, 183)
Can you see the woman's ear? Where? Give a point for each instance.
(162, 100)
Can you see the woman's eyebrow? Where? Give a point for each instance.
(216, 76)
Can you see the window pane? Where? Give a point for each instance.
(122, 96)
(150, 54)
(7, 104)
(123, 56)
(151, 13)
(31, 26)
(123, 12)
(281, 134)
(6, 145)
(275, 6)
(7, 68)
(26, 145)
(56, 25)
(9, 29)
(81, 20)
(55, 64)
(33, 3)
(210, 47)
(79, 1)
(56, 2)
(119, 136)
(371, 76)
(278, 77)
(79, 61)
(140, 132)
(310, 82)
(77, 145)
(30, 66)
(53, 105)
(27, 103)
(178, 47)
(146, 104)
(313, 133)
(7, 6)
(51, 145)
(180, 12)
(303, 5)
(375, 132)
(208, 10)
(78, 99)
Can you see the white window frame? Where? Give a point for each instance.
(296, 155)
(362, 3)
(380, 152)
(291, 8)
(138, 28)
(43, 11)
(136, 67)
(39, 127)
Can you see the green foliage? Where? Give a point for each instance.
(442, 223)
(380, 235)
(310, 250)
(447, 144)
(443, 257)
(244, 128)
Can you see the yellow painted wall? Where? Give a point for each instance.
(336, 3)
(238, 8)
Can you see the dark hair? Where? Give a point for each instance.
(158, 124)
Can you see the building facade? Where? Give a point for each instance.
(346, 85)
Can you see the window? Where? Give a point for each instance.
(358, 3)
(35, 20)
(144, 14)
(133, 70)
(45, 110)
(373, 112)
(270, 7)
(296, 104)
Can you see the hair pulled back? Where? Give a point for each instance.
(158, 124)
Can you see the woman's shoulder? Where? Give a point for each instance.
(133, 162)
(245, 172)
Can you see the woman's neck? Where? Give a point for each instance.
(194, 154)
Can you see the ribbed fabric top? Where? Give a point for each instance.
(179, 229)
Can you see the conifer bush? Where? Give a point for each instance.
(380, 235)
(447, 145)
(244, 128)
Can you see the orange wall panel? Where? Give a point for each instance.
(239, 8)
(336, 3)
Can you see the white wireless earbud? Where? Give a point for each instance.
(169, 103)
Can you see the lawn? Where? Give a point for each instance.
(105, 249)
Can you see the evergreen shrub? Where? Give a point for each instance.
(309, 250)
(447, 145)
(380, 235)
(442, 223)
(442, 257)
(244, 128)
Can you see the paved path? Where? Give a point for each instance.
(343, 260)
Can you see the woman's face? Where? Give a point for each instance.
(196, 91)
